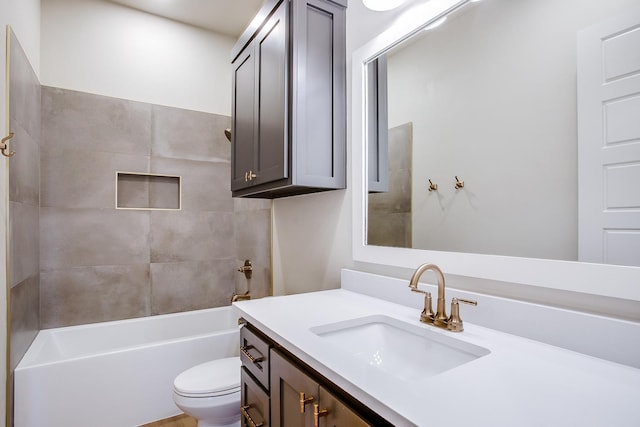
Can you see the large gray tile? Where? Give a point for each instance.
(24, 167)
(253, 236)
(389, 229)
(398, 198)
(94, 294)
(191, 236)
(24, 248)
(188, 286)
(81, 120)
(25, 319)
(193, 135)
(205, 185)
(164, 192)
(24, 90)
(400, 147)
(90, 237)
(247, 204)
(78, 178)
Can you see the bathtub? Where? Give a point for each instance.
(117, 374)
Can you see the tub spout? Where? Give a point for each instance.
(240, 297)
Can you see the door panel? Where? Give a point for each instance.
(272, 143)
(287, 384)
(609, 141)
(243, 110)
(337, 413)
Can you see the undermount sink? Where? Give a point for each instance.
(405, 351)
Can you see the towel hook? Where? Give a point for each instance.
(459, 184)
(4, 146)
(432, 186)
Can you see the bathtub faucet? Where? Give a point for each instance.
(240, 297)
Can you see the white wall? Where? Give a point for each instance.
(107, 49)
(24, 18)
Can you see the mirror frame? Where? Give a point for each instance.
(591, 278)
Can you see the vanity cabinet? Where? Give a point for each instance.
(289, 101)
(280, 390)
(298, 400)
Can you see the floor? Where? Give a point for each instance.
(177, 421)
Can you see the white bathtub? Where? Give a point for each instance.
(117, 374)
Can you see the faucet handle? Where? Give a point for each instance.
(454, 323)
(427, 314)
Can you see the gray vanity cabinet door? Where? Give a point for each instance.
(337, 413)
(287, 384)
(272, 136)
(254, 402)
(243, 131)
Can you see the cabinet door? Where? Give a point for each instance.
(377, 125)
(335, 413)
(254, 406)
(243, 131)
(293, 394)
(318, 94)
(272, 134)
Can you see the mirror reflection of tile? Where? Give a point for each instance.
(389, 218)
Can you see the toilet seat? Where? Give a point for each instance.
(210, 379)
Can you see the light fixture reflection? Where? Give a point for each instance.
(382, 5)
(435, 24)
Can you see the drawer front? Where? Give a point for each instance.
(254, 353)
(254, 406)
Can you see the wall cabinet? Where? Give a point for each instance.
(280, 390)
(289, 101)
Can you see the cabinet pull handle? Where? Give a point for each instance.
(249, 176)
(244, 410)
(304, 400)
(317, 413)
(245, 350)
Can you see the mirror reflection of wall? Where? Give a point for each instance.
(492, 96)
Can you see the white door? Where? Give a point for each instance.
(609, 141)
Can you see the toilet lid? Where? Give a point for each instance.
(214, 378)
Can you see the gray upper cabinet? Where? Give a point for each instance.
(289, 101)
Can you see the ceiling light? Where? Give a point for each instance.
(381, 5)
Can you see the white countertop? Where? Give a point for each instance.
(520, 383)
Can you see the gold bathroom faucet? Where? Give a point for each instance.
(439, 319)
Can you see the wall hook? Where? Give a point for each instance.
(4, 146)
(432, 186)
(459, 184)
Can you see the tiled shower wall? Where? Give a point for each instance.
(389, 215)
(99, 263)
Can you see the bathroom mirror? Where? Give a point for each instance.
(488, 153)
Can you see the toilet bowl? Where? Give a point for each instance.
(210, 392)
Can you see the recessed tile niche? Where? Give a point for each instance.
(147, 191)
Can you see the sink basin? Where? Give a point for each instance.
(403, 350)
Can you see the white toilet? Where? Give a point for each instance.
(210, 393)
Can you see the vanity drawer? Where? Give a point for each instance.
(254, 406)
(254, 353)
